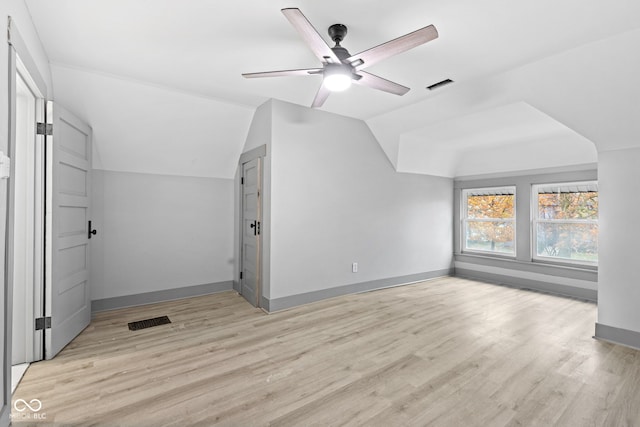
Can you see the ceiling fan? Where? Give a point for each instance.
(339, 67)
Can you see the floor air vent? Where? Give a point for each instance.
(143, 324)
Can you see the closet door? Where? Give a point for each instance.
(67, 290)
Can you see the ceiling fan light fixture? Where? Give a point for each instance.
(337, 82)
(336, 78)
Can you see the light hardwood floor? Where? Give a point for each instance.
(447, 352)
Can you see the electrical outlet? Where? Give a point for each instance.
(354, 267)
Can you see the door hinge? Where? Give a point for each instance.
(44, 129)
(43, 323)
(241, 275)
(242, 181)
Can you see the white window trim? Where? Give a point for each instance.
(535, 221)
(464, 220)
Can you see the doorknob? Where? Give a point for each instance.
(90, 231)
(256, 227)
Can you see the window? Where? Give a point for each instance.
(565, 222)
(489, 220)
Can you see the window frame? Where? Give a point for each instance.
(535, 220)
(464, 219)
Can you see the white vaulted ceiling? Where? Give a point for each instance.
(159, 77)
(138, 127)
(503, 139)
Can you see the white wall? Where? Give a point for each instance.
(335, 199)
(158, 232)
(619, 284)
(260, 131)
(522, 157)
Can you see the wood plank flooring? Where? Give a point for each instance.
(446, 352)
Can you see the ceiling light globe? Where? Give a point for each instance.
(337, 82)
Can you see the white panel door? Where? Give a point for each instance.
(68, 300)
(250, 282)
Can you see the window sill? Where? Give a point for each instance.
(566, 265)
(536, 262)
(488, 255)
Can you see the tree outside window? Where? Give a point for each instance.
(489, 220)
(566, 222)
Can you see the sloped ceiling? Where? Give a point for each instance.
(197, 50)
(507, 138)
(145, 128)
(592, 89)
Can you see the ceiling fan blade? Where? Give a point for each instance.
(315, 42)
(393, 47)
(375, 82)
(321, 96)
(301, 72)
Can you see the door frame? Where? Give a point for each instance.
(34, 304)
(258, 153)
(19, 60)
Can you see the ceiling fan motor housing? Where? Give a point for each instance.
(337, 32)
(341, 52)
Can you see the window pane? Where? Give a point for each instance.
(569, 241)
(568, 205)
(493, 236)
(490, 206)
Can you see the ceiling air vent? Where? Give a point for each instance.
(440, 84)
